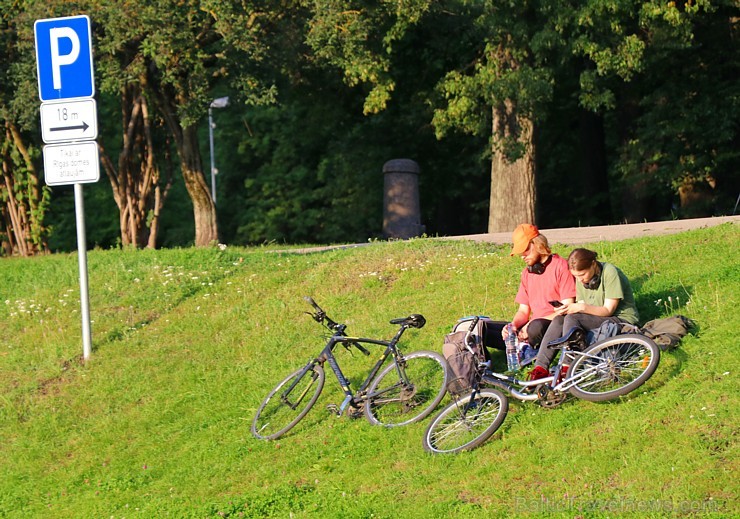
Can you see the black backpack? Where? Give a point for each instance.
(668, 331)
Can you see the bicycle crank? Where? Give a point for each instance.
(548, 398)
(408, 394)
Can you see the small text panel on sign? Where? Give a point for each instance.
(76, 163)
(69, 121)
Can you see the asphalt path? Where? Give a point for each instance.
(582, 235)
(576, 235)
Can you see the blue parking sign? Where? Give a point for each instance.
(64, 58)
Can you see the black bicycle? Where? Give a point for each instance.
(605, 370)
(404, 392)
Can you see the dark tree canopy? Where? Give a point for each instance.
(562, 113)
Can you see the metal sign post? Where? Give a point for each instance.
(69, 118)
(82, 260)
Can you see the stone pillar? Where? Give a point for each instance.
(401, 213)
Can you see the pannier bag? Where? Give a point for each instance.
(463, 360)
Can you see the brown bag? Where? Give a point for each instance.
(668, 331)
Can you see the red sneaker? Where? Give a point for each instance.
(563, 373)
(537, 373)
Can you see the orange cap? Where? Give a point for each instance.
(521, 237)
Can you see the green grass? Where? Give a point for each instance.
(187, 342)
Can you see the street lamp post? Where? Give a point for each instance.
(221, 102)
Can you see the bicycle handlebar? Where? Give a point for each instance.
(470, 332)
(321, 317)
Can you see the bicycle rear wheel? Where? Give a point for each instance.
(283, 408)
(466, 422)
(393, 402)
(614, 367)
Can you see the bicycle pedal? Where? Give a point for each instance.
(354, 412)
(333, 409)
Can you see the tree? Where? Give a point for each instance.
(497, 92)
(664, 73)
(159, 53)
(135, 180)
(177, 53)
(23, 199)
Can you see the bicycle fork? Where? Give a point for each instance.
(284, 396)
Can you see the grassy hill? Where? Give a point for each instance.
(187, 342)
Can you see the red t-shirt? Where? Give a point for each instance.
(556, 283)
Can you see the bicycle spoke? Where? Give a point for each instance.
(614, 367)
(278, 414)
(393, 402)
(466, 423)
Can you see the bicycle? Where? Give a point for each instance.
(404, 392)
(608, 369)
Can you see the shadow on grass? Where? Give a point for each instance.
(670, 301)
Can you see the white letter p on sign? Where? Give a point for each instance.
(57, 60)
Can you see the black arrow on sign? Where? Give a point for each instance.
(84, 126)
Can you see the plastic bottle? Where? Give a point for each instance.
(512, 358)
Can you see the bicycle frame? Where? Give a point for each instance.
(327, 355)
(513, 386)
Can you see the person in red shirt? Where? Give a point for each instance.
(545, 278)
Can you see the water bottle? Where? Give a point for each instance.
(512, 358)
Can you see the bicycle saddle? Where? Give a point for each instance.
(575, 336)
(412, 321)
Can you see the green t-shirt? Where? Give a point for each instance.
(614, 285)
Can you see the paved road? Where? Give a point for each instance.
(581, 235)
(576, 235)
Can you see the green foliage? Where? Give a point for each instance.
(359, 38)
(685, 132)
(653, 81)
(188, 341)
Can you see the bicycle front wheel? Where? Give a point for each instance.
(407, 391)
(467, 422)
(288, 403)
(614, 367)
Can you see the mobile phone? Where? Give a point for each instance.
(555, 304)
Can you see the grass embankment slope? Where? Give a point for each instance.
(187, 343)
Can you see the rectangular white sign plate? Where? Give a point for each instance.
(75, 163)
(69, 121)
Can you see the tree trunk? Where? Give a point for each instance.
(25, 200)
(135, 181)
(204, 210)
(191, 164)
(513, 194)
